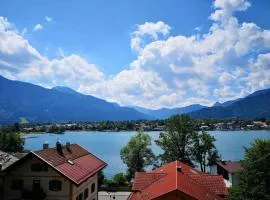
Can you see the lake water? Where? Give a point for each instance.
(107, 145)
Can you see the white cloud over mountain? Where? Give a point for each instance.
(19, 60)
(231, 60)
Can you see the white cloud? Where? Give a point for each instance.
(70, 70)
(225, 78)
(37, 27)
(259, 77)
(48, 19)
(60, 52)
(225, 8)
(14, 49)
(19, 60)
(24, 31)
(227, 93)
(148, 29)
(229, 61)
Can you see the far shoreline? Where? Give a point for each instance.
(131, 131)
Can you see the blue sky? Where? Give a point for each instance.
(147, 53)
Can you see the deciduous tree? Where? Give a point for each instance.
(254, 177)
(176, 142)
(204, 150)
(11, 142)
(137, 154)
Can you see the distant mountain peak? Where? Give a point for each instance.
(64, 89)
(255, 105)
(163, 113)
(217, 104)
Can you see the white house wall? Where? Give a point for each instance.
(69, 190)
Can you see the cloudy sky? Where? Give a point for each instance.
(154, 54)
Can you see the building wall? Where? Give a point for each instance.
(175, 195)
(1, 184)
(69, 191)
(77, 190)
(223, 172)
(234, 179)
(23, 171)
(230, 177)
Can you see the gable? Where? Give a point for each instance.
(23, 167)
(175, 195)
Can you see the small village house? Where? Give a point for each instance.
(5, 161)
(66, 172)
(228, 170)
(177, 181)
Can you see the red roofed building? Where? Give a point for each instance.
(177, 180)
(228, 170)
(65, 172)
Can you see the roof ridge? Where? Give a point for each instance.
(72, 144)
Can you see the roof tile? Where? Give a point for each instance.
(76, 163)
(177, 176)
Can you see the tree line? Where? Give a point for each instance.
(180, 141)
(11, 140)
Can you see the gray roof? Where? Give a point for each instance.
(6, 160)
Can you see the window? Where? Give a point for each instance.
(80, 197)
(86, 193)
(17, 184)
(39, 168)
(36, 185)
(93, 187)
(55, 185)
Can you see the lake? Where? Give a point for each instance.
(107, 145)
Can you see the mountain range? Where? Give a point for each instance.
(255, 105)
(28, 102)
(163, 113)
(20, 100)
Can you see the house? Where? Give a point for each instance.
(227, 169)
(5, 161)
(65, 172)
(204, 127)
(177, 181)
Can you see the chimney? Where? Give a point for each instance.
(68, 145)
(46, 145)
(59, 147)
(179, 168)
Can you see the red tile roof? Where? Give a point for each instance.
(230, 166)
(210, 181)
(177, 176)
(75, 163)
(145, 179)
